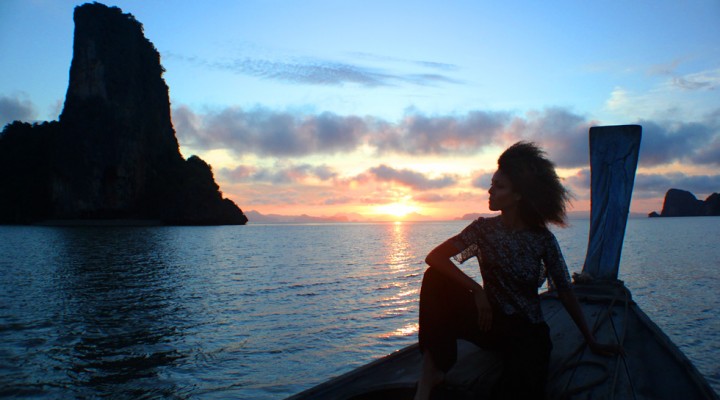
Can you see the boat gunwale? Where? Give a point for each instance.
(613, 293)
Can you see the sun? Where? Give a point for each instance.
(397, 210)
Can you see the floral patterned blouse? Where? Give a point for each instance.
(513, 264)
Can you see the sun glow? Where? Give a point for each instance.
(397, 210)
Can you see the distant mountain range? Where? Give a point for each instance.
(256, 217)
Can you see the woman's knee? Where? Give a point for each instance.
(431, 273)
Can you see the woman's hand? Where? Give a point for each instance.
(605, 349)
(484, 310)
(571, 304)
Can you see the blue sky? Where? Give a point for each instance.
(331, 107)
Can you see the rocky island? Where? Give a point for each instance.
(681, 203)
(113, 154)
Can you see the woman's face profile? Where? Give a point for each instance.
(502, 196)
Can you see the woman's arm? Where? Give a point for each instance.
(439, 259)
(557, 269)
(568, 299)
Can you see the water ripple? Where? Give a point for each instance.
(263, 312)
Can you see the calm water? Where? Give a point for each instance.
(265, 311)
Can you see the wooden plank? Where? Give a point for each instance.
(573, 368)
(602, 376)
(567, 341)
(658, 368)
(397, 370)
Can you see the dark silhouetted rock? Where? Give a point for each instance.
(712, 205)
(113, 154)
(681, 203)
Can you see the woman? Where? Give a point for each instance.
(516, 252)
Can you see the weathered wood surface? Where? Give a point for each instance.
(652, 368)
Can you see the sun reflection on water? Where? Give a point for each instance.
(401, 282)
(398, 256)
(407, 330)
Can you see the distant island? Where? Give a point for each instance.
(681, 203)
(113, 154)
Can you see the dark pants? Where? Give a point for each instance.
(448, 313)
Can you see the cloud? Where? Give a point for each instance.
(313, 72)
(268, 133)
(427, 79)
(409, 178)
(695, 142)
(430, 198)
(619, 99)
(259, 194)
(443, 197)
(704, 80)
(420, 134)
(564, 134)
(581, 179)
(651, 185)
(578, 184)
(238, 174)
(331, 73)
(482, 180)
(16, 109)
(708, 154)
(339, 200)
(685, 97)
(325, 72)
(665, 68)
(438, 66)
(280, 174)
(278, 134)
(283, 173)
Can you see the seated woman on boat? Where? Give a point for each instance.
(516, 252)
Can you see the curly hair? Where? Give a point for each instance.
(543, 198)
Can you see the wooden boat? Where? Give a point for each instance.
(652, 366)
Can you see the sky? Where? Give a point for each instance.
(399, 109)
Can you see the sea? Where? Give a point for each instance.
(266, 311)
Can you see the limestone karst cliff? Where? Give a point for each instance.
(681, 203)
(113, 153)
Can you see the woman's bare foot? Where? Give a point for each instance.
(430, 377)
